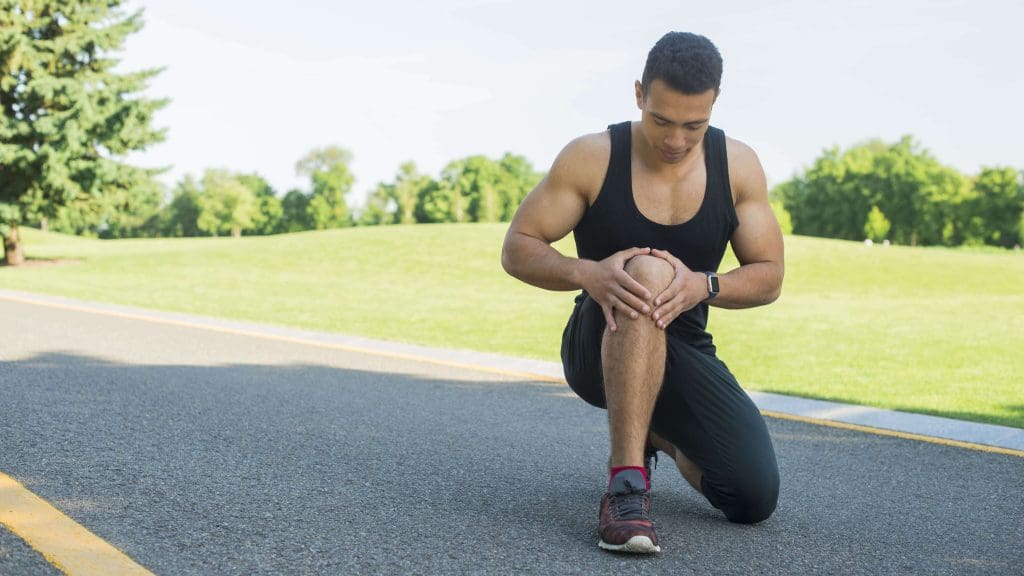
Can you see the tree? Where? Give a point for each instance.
(449, 201)
(997, 205)
(877, 225)
(469, 188)
(181, 217)
(437, 202)
(481, 181)
(476, 189)
(225, 204)
(818, 205)
(332, 181)
(134, 214)
(267, 219)
(67, 117)
(295, 212)
(1021, 228)
(118, 214)
(920, 197)
(518, 178)
(380, 206)
(408, 183)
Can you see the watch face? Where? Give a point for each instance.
(713, 282)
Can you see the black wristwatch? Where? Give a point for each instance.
(712, 286)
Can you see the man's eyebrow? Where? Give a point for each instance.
(691, 122)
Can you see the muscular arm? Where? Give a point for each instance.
(550, 212)
(547, 214)
(757, 242)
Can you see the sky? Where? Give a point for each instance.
(255, 86)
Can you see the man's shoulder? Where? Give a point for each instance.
(746, 174)
(589, 147)
(583, 162)
(739, 151)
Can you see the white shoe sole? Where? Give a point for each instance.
(635, 545)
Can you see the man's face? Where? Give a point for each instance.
(673, 122)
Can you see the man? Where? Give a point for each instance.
(652, 205)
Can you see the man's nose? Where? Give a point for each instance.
(675, 140)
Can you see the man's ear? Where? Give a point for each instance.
(639, 88)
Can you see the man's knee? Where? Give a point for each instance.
(747, 498)
(651, 271)
(754, 500)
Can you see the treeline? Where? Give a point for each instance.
(900, 192)
(221, 203)
(876, 190)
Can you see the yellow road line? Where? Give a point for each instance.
(894, 433)
(63, 542)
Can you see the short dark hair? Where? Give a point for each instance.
(688, 63)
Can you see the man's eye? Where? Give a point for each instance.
(660, 122)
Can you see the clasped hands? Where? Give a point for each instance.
(613, 288)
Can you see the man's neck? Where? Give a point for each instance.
(652, 162)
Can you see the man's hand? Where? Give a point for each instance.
(687, 290)
(610, 286)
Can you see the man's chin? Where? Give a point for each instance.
(673, 158)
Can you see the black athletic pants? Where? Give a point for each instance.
(701, 410)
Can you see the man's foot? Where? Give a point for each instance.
(625, 518)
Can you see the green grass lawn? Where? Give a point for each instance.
(927, 330)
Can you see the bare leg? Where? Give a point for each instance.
(687, 468)
(633, 360)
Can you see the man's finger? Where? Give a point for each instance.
(630, 283)
(669, 312)
(661, 312)
(623, 256)
(609, 318)
(670, 292)
(666, 316)
(630, 252)
(666, 256)
(634, 305)
(669, 306)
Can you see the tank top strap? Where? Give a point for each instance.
(619, 165)
(718, 175)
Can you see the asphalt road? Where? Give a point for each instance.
(197, 452)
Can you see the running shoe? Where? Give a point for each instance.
(625, 519)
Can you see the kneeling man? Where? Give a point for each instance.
(652, 205)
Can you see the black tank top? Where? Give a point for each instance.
(614, 222)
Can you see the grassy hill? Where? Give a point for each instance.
(920, 329)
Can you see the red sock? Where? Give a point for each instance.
(615, 470)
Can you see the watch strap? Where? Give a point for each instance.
(713, 287)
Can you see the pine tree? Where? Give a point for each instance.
(67, 117)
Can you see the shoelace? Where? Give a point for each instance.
(629, 506)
